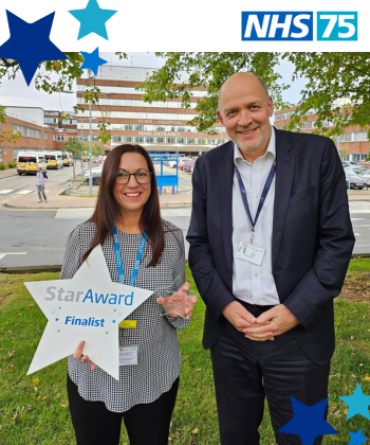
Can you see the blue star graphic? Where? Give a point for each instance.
(357, 438)
(29, 44)
(92, 19)
(357, 403)
(92, 61)
(308, 421)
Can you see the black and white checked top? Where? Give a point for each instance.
(158, 346)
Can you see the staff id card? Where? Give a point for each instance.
(128, 355)
(250, 253)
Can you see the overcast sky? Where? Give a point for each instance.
(16, 92)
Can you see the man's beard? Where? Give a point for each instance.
(263, 137)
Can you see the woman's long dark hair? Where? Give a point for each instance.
(107, 209)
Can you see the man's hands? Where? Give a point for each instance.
(273, 322)
(238, 316)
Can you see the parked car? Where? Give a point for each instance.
(182, 162)
(96, 174)
(189, 166)
(355, 181)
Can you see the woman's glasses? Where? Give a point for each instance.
(142, 177)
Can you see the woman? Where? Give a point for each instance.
(128, 208)
(41, 178)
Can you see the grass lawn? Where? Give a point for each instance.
(34, 409)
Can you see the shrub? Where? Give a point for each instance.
(12, 164)
(2, 165)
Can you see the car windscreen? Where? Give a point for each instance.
(27, 159)
(65, 156)
(50, 157)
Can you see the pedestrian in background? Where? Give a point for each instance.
(41, 178)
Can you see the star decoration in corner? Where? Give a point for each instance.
(308, 421)
(357, 438)
(29, 44)
(92, 19)
(92, 61)
(357, 403)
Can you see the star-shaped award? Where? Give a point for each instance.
(308, 421)
(92, 61)
(92, 19)
(88, 307)
(29, 44)
(357, 438)
(357, 403)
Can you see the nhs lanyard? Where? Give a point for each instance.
(265, 191)
(117, 251)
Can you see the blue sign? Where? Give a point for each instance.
(270, 26)
(336, 26)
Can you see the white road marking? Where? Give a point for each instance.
(2, 255)
(359, 211)
(357, 234)
(24, 192)
(357, 219)
(6, 192)
(74, 214)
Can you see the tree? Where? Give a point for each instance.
(329, 76)
(76, 148)
(67, 70)
(210, 70)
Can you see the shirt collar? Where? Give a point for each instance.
(271, 148)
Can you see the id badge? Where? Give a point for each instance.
(250, 253)
(128, 355)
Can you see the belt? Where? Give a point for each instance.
(261, 308)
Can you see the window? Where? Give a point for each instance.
(160, 129)
(139, 127)
(128, 138)
(191, 141)
(117, 139)
(181, 141)
(181, 129)
(160, 140)
(83, 138)
(60, 137)
(46, 136)
(139, 139)
(150, 140)
(171, 140)
(128, 127)
(27, 131)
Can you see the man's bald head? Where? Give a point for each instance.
(240, 78)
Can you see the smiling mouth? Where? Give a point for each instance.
(247, 131)
(132, 195)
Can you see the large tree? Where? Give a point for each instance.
(328, 76)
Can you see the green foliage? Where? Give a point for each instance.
(210, 70)
(359, 264)
(76, 148)
(3, 166)
(332, 76)
(12, 164)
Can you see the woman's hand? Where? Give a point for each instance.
(180, 303)
(78, 355)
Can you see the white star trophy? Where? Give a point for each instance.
(88, 307)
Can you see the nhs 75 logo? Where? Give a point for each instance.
(277, 25)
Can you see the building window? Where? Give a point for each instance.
(139, 127)
(150, 140)
(128, 138)
(171, 140)
(181, 141)
(46, 136)
(83, 138)
(117, 139)
(181, 129)
(138, 139)
(27, 131)
(160, 140)
(191, 141)
(128, 127)
(160, 129)
(60, 137)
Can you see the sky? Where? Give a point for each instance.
(16, 92)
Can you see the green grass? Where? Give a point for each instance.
(360, 264)
(32, 417)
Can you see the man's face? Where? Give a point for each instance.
(244, 110)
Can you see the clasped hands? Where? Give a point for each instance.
(273, 322)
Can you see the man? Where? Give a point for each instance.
(41, 178)
(270, 241)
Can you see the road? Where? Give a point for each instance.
(38, 238)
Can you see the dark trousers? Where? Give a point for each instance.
(146, 424)
(245, 371)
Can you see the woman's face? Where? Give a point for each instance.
(132, 196)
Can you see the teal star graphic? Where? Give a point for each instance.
(357, 403)
(357, 438)
(92, 19)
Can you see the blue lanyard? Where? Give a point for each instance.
(265, 191)
(117, 251)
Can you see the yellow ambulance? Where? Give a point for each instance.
(27, 161)
(67, 159)
(53, 159)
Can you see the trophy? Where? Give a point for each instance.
(175, 299)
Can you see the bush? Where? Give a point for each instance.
(12, 164)
(2, 165)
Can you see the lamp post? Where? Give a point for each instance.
(111, 94)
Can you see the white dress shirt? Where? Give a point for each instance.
(254, 284)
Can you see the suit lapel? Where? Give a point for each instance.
(225, 183)
(285, 164)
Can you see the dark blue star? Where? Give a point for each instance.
(29, 44)
(308, 421)
(92, 61)
(357, 438)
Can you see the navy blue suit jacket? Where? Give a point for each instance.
(312, 236)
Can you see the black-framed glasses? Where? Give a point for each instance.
(142, 177)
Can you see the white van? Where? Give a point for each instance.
(27, 161)
(53, 159)
(67, 159)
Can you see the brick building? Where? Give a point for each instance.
(353, 142)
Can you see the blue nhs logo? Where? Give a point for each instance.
(277, 25)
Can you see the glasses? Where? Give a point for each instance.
(142, 177)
